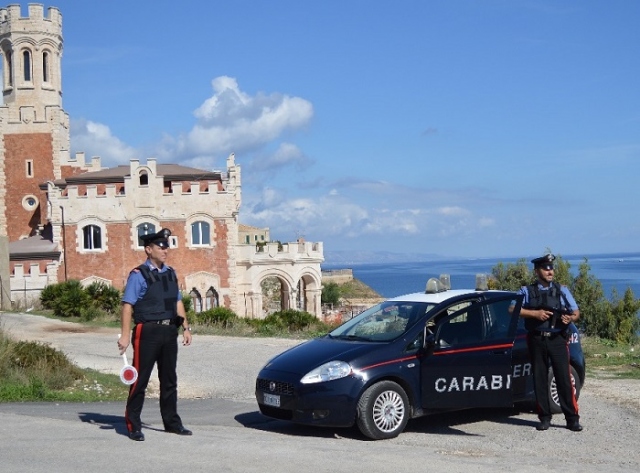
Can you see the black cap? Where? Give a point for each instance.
(542, 260)
(161, 238)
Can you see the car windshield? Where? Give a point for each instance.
(382, 322)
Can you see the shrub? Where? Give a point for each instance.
(330, 293)
(70, 299)
(218, 315)
(29, 355)
(91, 313)
(32, 370)
(104, 297)
(73, 300)
(187, 303)
(50, 295)
(291, 319)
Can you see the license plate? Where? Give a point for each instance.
(271, 400)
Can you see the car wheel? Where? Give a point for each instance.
(383, 410)
(554, 400)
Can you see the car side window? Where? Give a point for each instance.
(498, 320)
(464, 327)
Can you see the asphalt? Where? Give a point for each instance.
(216, 380)
(216, 377)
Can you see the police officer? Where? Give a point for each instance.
(153, 300)
(548, 308)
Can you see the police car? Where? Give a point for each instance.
(407, 357)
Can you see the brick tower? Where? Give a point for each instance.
(34, 129)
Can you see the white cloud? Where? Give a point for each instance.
(286, 155)
(95, 139)
(228, 121)
(452, 211)
(233, 121)
(334, 217)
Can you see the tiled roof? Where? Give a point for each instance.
(35, 247)
(118, 173)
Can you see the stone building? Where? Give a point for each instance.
(63, 218)
(253, 235)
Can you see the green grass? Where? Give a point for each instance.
(34, 371)
(356, 289)
(607, 359)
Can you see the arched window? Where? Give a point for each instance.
(144, 178)
(212, 300)
(26, 59)
(9, 56)
(45, 66)
(200, 233)
(196, 300)
(92, 237)
(145, 228)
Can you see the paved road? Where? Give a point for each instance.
(231, 436)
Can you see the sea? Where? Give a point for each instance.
(614, 271)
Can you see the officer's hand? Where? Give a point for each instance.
(123, 344)
(186, 338)
(544, 314)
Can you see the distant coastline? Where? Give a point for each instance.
(335, 258)
(391, 277)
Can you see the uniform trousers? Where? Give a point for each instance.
(552, 351)
(154, 343)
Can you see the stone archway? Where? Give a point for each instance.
(298, 290)
(295, 265)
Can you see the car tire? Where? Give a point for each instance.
(383, 411)
(554, 401)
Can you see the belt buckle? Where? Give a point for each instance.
(165, 322)
(546, 334)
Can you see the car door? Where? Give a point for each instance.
(469, 364)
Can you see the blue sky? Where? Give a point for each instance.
(461, 128)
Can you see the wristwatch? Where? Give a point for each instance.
(187, 328)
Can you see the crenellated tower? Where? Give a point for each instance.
(34, 129)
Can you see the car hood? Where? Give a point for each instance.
(309, 355)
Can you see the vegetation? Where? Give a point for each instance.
(356, 289)
(219, 315)
(285, 324)
(330, 293)
(33, 371)
(334, 293)
(607, 359)
(615, 319)
(70, 299)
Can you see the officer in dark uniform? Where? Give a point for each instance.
(153, 300)
(548, 308)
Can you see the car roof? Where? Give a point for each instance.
(438, 297)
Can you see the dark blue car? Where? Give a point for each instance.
(407, 357)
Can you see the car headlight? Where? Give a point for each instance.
(327, 372)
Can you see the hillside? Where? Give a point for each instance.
(356, 291)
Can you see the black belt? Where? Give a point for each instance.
(546, 334)
(161, 322)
